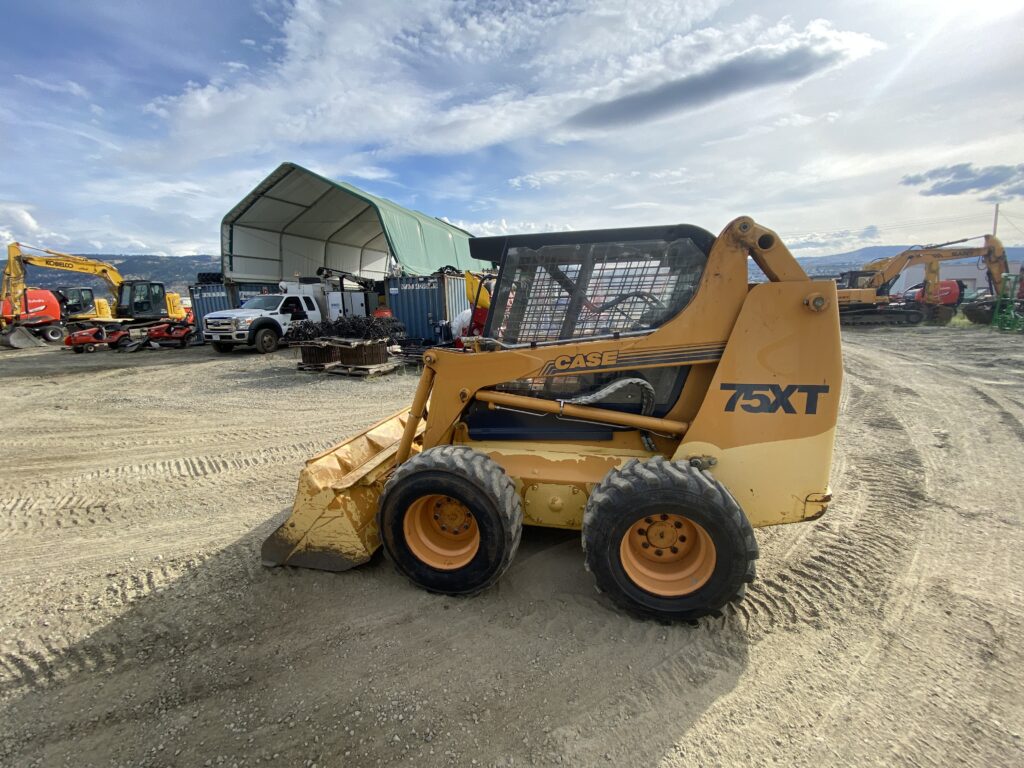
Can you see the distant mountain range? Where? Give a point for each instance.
(839, 262)
(178, 272)
(175, 272)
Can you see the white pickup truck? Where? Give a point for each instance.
(261, 321)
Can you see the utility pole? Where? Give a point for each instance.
(995, 224)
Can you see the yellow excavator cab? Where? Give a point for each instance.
(629, 384)
(103, 310)
(175, 309)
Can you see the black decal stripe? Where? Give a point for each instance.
(671, 353)
(709, 355)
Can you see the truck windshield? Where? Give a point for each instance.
(262, 302)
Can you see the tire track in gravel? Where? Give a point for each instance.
(852, 560)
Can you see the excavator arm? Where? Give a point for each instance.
(13, 286)
(991, 253)
(44, 257)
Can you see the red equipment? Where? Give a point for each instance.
(951, 293)
(42, 314)
(180, 333)
(89, 339)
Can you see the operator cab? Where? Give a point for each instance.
(557, 288)
(141, 300)
(77, 301)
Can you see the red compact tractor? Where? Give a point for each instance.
(177, 332)
(89, 339)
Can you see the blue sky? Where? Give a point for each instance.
(134, 126)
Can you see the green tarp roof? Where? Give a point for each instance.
(295, 221)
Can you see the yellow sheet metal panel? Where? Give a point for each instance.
(769, 415)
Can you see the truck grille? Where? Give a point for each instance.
(218, 324)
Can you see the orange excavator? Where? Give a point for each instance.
(864, 294)
(135, 301)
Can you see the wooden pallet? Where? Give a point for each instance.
(340, 369)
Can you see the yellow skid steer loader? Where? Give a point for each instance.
(630, 384)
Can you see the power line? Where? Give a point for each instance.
(887, 227)
(1012, 223)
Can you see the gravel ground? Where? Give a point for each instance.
(138, 628)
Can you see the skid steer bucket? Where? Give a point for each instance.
(333, 525)
(17, 337)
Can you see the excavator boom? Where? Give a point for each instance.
(865, 298)
(134, 299)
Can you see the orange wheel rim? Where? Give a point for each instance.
(441, 532)
(667, 555)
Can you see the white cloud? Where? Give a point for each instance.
(69, 87)
(505, 227)
(440, 77)
(19, 224)
(18, 216)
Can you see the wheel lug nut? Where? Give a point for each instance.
(682, 538)
(664, 517)
(675, 550)
(678, 524)
(444, 527)
(658, 552)
(645, 545)
(648, 520)
(437, 516)
(642, 531)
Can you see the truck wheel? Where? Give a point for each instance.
(52, 333)
(220, 346)
(665, 540)
(89, 347)
(450, 519)
(78, 350)
(265, 340)
(185, 340)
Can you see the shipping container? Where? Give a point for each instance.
(423, 304)
(239, 293)
(207, 298)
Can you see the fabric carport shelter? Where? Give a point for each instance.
(295, 221)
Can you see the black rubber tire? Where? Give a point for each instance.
(78, 350)
(639, 489)
(186, 340)
(265, 341)
(52, 333)
(221, 346)
(89, 347)
(472, 478)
